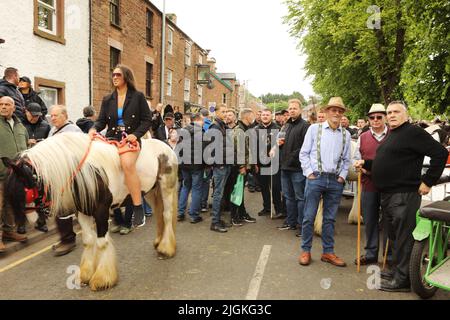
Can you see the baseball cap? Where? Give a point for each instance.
(25, 79)
(34, 108)
(169, 115)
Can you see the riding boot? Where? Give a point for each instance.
(138, 216)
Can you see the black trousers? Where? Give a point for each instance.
(271, 184)
(236, 212)
(65, 228)
(400, 211)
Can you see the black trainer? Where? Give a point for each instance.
(236, 222)
(287, 227)
(196, 220)
(218, 228)
(180, 218)
(247, 218)
(224, 224)
(263, 213)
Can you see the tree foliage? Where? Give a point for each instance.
(370, 51)
(276, 97)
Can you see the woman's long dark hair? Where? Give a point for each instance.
(128, 76)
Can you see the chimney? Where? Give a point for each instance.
(172, 17)
(212, 64)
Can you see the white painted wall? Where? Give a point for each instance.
(38, 57)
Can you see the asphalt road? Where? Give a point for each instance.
(252, 261)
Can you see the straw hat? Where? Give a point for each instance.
(377, 108)
(336, 102)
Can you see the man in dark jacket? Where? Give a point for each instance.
(163, 132)
(38, 129)
(267, 132)
(242, 134)
(13, 140)
(29, 95)
(157, 120)
(192, 166)
(217, 148)
(8, 87)
(397, 172)
(88, 120)
(292, 178)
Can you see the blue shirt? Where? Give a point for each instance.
(330, 150)
(120, 117)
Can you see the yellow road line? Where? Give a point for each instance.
(25, 259)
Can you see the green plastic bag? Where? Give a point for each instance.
(238, 191)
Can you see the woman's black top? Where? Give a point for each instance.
(136, 115)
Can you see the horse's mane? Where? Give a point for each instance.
(57, 158)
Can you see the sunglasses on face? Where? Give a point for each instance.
(116, 75)
(376, 117)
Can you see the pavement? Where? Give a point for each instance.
(255, 261)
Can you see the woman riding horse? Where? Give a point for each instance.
(127, 115)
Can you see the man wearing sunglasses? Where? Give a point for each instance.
(367, 146)
(397, 173)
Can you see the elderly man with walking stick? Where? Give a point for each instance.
(397, 172)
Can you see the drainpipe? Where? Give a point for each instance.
(90, 56)
(163, 53)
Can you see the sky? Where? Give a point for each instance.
(246, 37)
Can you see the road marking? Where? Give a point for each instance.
(255, 283)
(31, 256)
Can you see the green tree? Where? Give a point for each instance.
(364, 53)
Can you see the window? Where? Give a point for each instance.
(149, 27)
(224, 98)
(170, 41)
(51, 92)
(187, 90)
(187, 54)
(148, 80)
(200, 94)
(169, 83)
(49, 19)
(114, 12)
(200, 59)
(114, 58)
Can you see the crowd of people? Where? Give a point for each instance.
(294, 163)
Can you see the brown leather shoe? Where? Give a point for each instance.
(14, 236)
(2, 247)
(333, 259)
(305, 259)
(62, 249)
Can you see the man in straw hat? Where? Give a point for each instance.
(325, 160)
(396, 172)
(366, 149)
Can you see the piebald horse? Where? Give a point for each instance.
(85, 176)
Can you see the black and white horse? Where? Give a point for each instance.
(85, 176)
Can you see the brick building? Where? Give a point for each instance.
(127, 32)
(130, 32)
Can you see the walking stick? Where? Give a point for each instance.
(385, 254)
(358, 245)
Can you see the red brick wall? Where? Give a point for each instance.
(132, 36)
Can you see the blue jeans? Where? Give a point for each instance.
(220, 176)
(205, 187)
(331, 190)
(192, 180)
(293, 187)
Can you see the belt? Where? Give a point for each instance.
(121, 128)
(326, 174)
